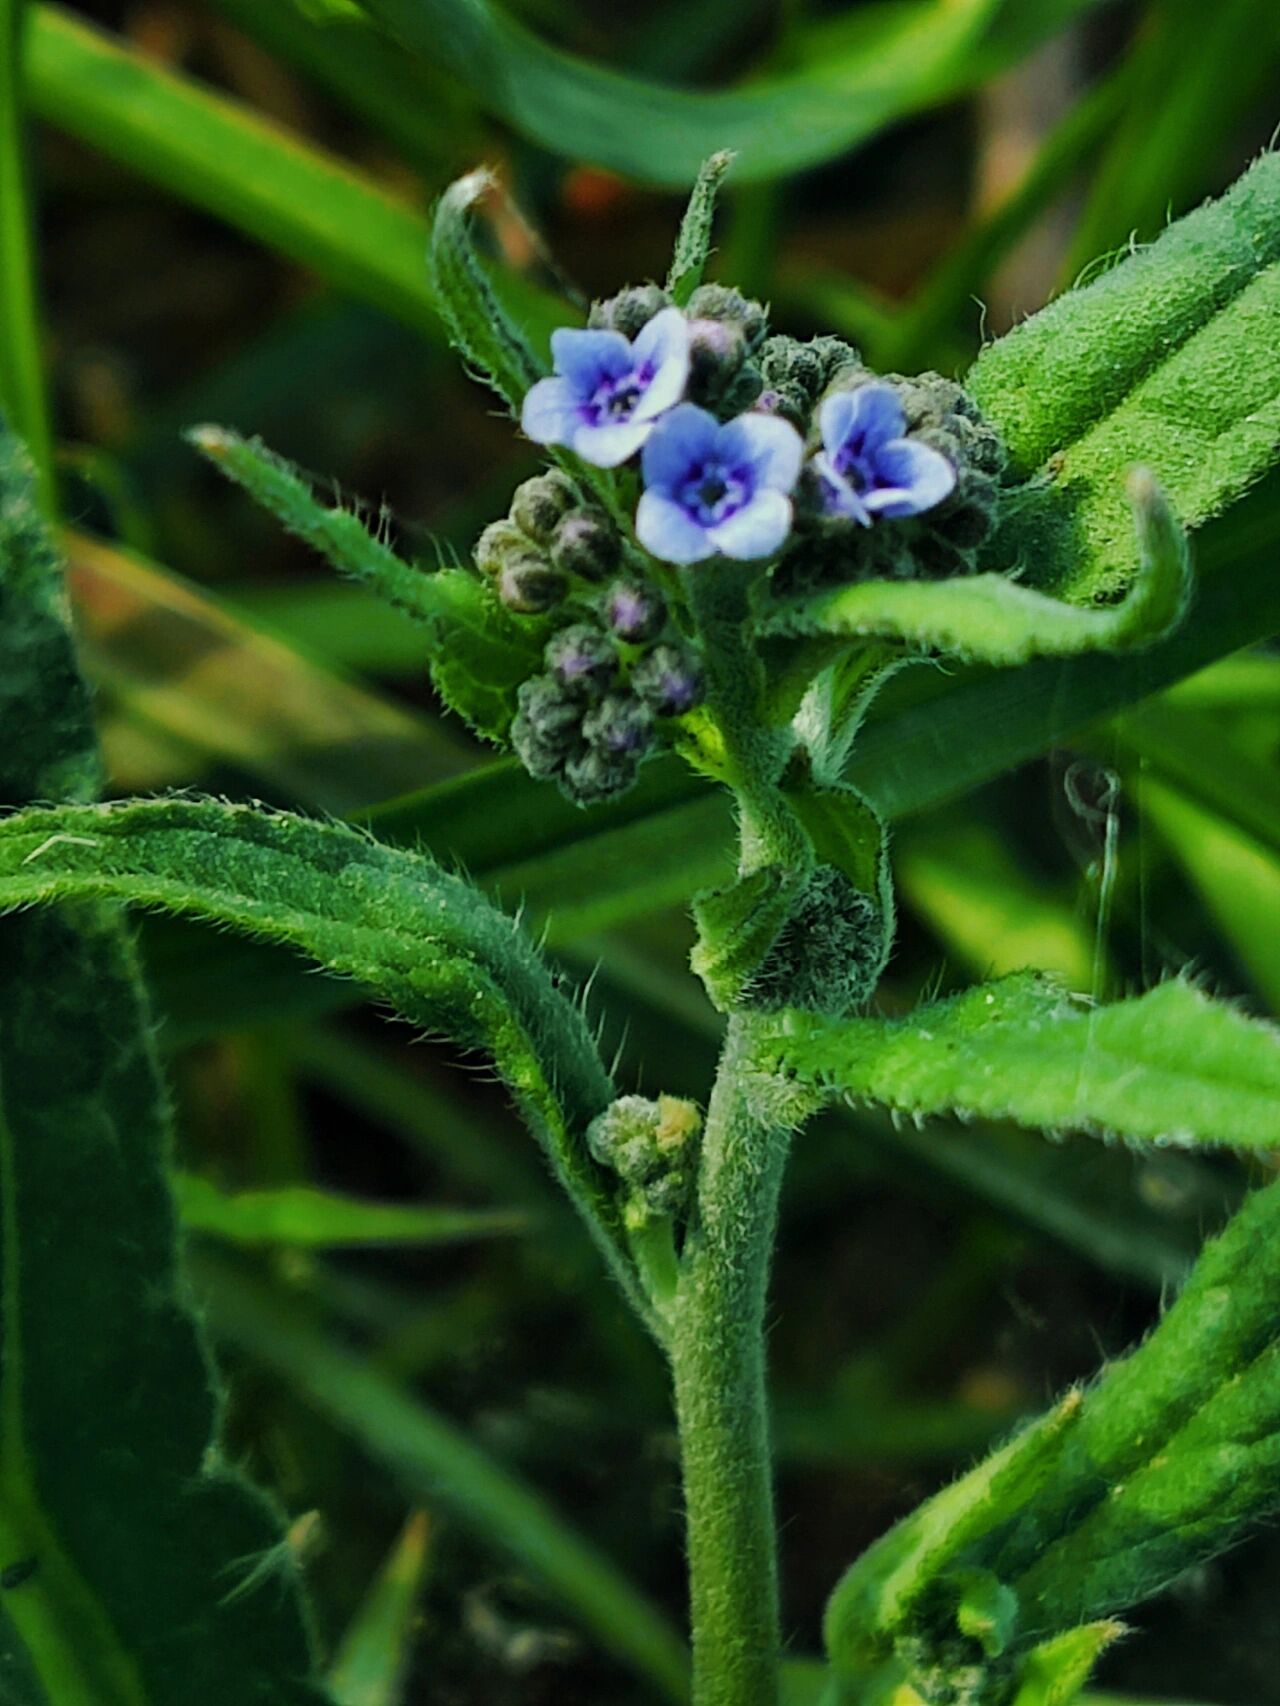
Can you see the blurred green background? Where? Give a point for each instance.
(231, 205)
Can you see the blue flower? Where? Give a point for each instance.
(713, 489)
(608, 390)
(868, 466)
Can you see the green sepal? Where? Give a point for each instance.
(693, 244)
(484, 334)
(986, 1610)
(1055, 1672)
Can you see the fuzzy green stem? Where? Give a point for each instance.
(717, 1355)
(21, 377)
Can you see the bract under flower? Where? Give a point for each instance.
(868, 466)
(717, 490)
(607, 390)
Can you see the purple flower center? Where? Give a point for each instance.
(614, 400)
(713, 491)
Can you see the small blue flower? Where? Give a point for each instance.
(713, 489)
(868, 466)
(608, 390)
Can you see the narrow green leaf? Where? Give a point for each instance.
(141, 1568)
(693, 244)
(901, 58)
(424, 941)
(372, 1662)
(992, 619)
(1055, 1672)
(436, 1462)
(304, 1217)
(490, 343)
(1171, 1066)
(478, 652)
(22, 392)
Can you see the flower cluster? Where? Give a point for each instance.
(653, 1146)
(748, 447)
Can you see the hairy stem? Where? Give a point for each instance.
(717, 1354)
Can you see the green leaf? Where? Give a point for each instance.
(1054, 1673)
(693, 244)
(22, 391)
(992, 619)
(489, 341)
(898, 59)
(1171, 1066)
(140, 1567)
(217, 154)
(422, 940)
(1168, 360)
(304, 1217)
(479, 653)
(372, 1662)
(436, 1462)
(1159, 1465)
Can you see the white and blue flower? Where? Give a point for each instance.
(717, 490)
(868, 467)
(608, 391)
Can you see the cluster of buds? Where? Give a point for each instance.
(653, 1147)
(552, 544)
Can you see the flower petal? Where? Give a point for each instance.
(757, 530)
(838, 496)
(587, 357)
(768, 445)
(870, 416)
(549, 414)
(682, 439)
(913, 476)
(663, 346)
(665, 531)
(607, 446)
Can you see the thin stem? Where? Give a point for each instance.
(717, 1355)
(22, 391)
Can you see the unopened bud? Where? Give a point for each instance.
(634, 612)
(547, 728)
(531, 587)
(630, 310)
(582, 659)
(501, 543)
(619, 726)
(722, 302)
(540, 504)
(585, 544)
(670, 680)
(593, 776)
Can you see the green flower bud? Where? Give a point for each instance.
(795, 375)
(652, 1145)
(502, 543)
(547, 730)
(721, 302)
(830, 953)
(586, 544)
(670, 680)
(634, 612)
(531, 587)
(620, 726)
(582, 660)
(630, 310)
(539, 505)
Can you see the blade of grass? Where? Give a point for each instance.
(22, 391)
(433, 1460)
(304, 1218)
(372, 1661)
(219, 155)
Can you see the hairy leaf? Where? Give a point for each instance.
(1171, 1066)
(693, 245)
(478, 653)
(424, 941)
(140, 1569)
(1169, 360)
